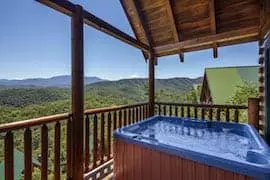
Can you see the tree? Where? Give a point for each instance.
(243, 92)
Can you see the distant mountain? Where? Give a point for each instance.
(57, 81)
(136, 89)
(125, 90)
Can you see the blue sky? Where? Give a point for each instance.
(35, 42)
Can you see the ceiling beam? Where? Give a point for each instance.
(212, 16)
(134, 9)
(68, 8)
(235, 36)
(264, 18)
(132, 14)
(176, 36)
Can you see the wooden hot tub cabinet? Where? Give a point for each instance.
(133, 162)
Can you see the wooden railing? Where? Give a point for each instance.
(27, 126)
(99, 126)
(201, 111)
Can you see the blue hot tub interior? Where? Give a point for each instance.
(235, 147)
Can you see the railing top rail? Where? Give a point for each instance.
(113, 108)
(32, 122)
(59, 117)
(231, 106)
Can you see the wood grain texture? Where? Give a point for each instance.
(168, 21)
(133, 162)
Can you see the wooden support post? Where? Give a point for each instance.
(77, 94)
(267, 91)
(151, 79)
(215, 52)
(253, 112)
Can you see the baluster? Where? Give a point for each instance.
(218, 114)
(188, 112)
(109, 135)
(170, 110)
(182, 111)
(57, 136)
(114, 120)
(95, 139)
(147, 110)
(120, 118)
(87, 136)
(159, 109)
(236, 115)
(133, 115)
(176, 111)
(27, 154)
(129, 116)
(125, 117)
(195, 112)
(69, 148)
(140, 113)
(137, 114)
(44, 152)
(102, 134)
(227, 114)
(164, 110)
(143, 111)
(203, 113)
(211, 113)
(9, 159)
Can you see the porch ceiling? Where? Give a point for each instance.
(177, 26)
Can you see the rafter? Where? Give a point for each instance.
(212, 16)
(232, 37)
(140, 19)
(264, 18)
(136, 17)
(173, 26)
(68, 8)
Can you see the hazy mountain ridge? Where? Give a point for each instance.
(129, 89)
(56, 81)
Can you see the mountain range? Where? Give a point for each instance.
(56, 81)
(19, 93)
(65, 82)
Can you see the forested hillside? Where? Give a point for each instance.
(24, 103)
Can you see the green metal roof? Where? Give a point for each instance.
(18, 165)
(223, 81)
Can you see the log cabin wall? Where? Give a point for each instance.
(262, 86)
(267, 90)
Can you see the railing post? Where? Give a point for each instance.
(151, 79)
(253, 112)
(77, 94)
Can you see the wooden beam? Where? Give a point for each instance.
(212, 16)
(176, 36)
(206, 42)
(264, 18)
(136, 17)
(77, 93)
(151, 79)
(215, 52)
(68, 8)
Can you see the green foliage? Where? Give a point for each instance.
(22, 104)
(243, 92)
(23, 97)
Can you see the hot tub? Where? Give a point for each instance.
(184, 148)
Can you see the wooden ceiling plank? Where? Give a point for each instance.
(173, 26)
(207, 40)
